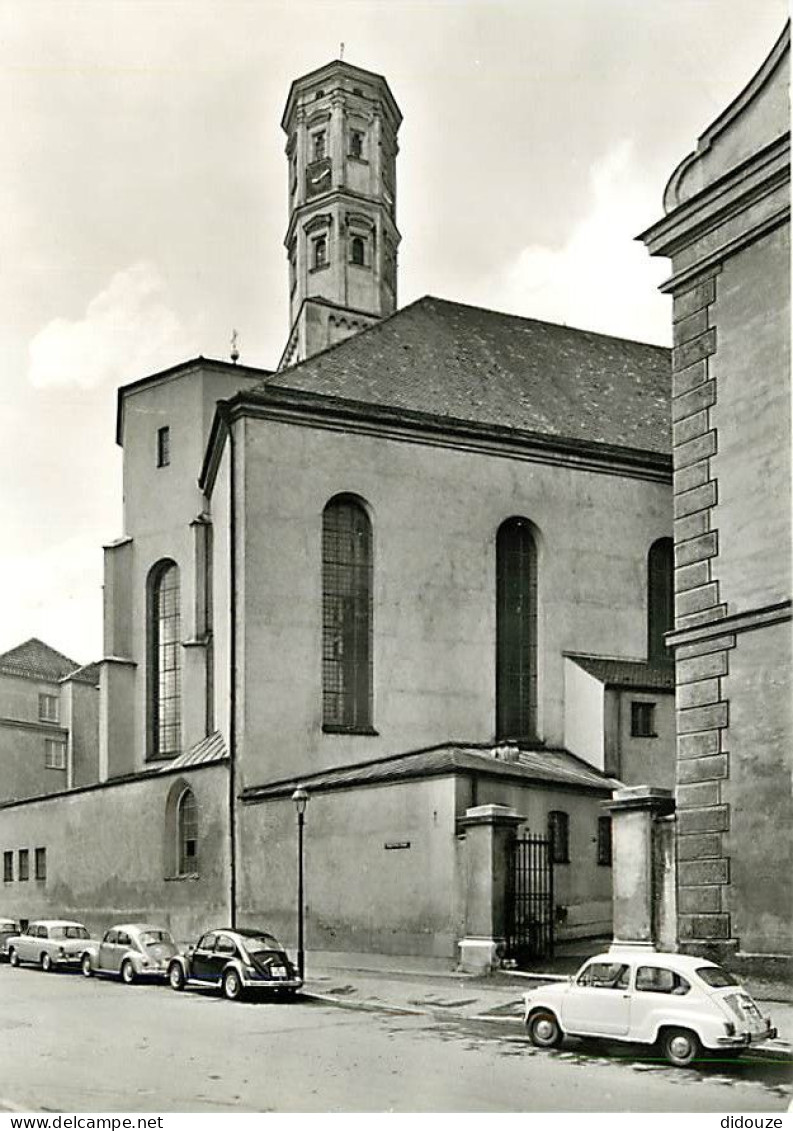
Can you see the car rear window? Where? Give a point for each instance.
(716, 978)
(7, 925)
(155, 938)
(68, 933)
(262, 942)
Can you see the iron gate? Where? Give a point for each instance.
(530, 906)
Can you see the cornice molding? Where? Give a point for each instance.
(311, 410)
(738, 622)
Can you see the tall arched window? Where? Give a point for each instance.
(186, 834)
(164, 662)
(346, 616)
(320, 251)
(357, 251)
(660, 600)
(516, 630)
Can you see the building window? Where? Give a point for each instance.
(660, 600)
(41, 863)
(346, 616)
(357, 251)
(165, 674)
(356, 144)
(318, 143)
(187, 834)
(54, 754)
(8, 867)
(604, 841)
(516, 630)
(559, 836)
(321, 252)
(643, 720)
(163, 446)
(48, 708)
(23, 864)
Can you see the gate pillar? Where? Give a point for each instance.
(488, 828)
(642, 866)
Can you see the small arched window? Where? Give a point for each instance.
(660, 600)
(164, 661)
(357, 251)
(346, 616)
(559, 836)
(516, 630)
(186, 834)
(320, 251)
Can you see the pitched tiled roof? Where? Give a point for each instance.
(210, 749)
(36, 659)
(448, 359)
(552, 767)
(87, 674)
(628, 673)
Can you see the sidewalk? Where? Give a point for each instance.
(498, 997)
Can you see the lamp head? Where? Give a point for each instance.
(300, 797)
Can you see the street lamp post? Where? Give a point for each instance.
(300, 797)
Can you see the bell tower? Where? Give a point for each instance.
(341, 124)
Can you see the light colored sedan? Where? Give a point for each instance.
(682, 1003)
(130, 951)
(49, 943)
(8, 929)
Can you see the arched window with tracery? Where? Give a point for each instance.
(516, 630)
(164, 661)
(186, 834)
(660, 600)
(346, 615)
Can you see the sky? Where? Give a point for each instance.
(143, 205)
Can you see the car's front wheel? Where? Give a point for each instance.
(680, 1046)
(46, 963)
(85, 966)
(176, 977)
(127, 972)
(13, 957)
(232, 985)
(544, 1030)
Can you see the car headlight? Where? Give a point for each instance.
(145, 962)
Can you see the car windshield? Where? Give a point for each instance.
(156, 938)
(261, 943)
(715, 977)
(68, 933)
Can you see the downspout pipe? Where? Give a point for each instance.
(232, 807)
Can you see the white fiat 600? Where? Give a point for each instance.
(681, 1003)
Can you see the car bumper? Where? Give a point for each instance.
(743, 1040)
(255, 983)
(66, 959)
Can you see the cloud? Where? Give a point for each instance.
(57, 596)
(128, 331)
(601, 279)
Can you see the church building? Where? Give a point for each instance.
(423, 568)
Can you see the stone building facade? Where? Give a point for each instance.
(727, 233)
(364, 573)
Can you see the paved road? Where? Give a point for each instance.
(72, 1044)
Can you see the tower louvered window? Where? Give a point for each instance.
(346, 616)
(660, 600)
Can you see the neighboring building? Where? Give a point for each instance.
(49, 722)
(363, 573)
(727, 232)
(620, 716)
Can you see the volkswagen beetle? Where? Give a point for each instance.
(680, 1003)
(130, 951)
(235, 961)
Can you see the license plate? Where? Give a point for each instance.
(278, 971)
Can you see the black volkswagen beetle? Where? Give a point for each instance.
(235, 961)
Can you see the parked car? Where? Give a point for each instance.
(8, 928)
(130, 951)
(682, 1003)
(50, 943)
(235, 961)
